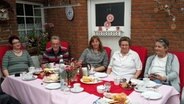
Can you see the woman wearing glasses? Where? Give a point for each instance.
(163, 67)
(16, 60)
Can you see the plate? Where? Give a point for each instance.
(100, 75)
(29, 79)
(151, 95)
(136, 81)
(51, 78)
(152, 84)
(105, 100)
(53, 86)
(140, 89)
(50, 81)
(77, 90)
(94, 82)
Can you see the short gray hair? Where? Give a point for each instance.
(55, 38)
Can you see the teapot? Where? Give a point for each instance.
(84, 70)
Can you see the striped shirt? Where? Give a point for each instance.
(16, 64)
(50, 56)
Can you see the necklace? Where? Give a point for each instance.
(17, 52)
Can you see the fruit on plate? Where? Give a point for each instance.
(87, 79)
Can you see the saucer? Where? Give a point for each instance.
(100, 75)
(53, 86)
(29, 78)
(151, 95)
(77, 90)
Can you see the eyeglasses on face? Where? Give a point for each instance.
(17, 42)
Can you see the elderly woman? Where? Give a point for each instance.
(16, 60)
(95, 55)
(126, 62)
(163, 67)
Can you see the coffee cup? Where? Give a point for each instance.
(117, 80)
(146, 80)
(85, 71)
(76, 86)
(100, 89)
(31, 69)
(51, 65)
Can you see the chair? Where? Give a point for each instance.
(182, 96)
(180, 56)
(63, 43)
(3, 49)
(142, 52)
(108, 51)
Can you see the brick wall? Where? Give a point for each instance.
(146, 26)
(9, 27)
(75, 31)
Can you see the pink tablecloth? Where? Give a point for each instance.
(34, 92)
(169, 96)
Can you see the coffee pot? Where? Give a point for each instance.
(84, 70)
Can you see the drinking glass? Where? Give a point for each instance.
(107, 86)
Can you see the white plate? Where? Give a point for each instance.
(53, 86)
(152, 84)
(77, 90)
(105, 100)
(136, 81)
(151, 95)
(29, 79)
(140, 89)
(100, 75)
(94, 82)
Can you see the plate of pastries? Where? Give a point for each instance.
(90, 80)
(114, 98)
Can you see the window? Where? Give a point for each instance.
(29, 20)
(109, 17)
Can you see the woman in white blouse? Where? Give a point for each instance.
(125, 63)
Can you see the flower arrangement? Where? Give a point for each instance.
(70, 70)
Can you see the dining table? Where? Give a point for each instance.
(34, 92)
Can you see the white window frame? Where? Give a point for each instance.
(126, 29)
(42, 15)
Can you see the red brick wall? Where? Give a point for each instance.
(10, 27)
(147, 26)
(75, 31)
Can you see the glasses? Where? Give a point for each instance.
(16, 42)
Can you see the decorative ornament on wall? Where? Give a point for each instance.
(110, 17)
(4, 14)
(107, 25)
(167, 6)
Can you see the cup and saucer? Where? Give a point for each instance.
(76, 88)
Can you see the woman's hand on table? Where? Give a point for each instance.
(157, 76)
